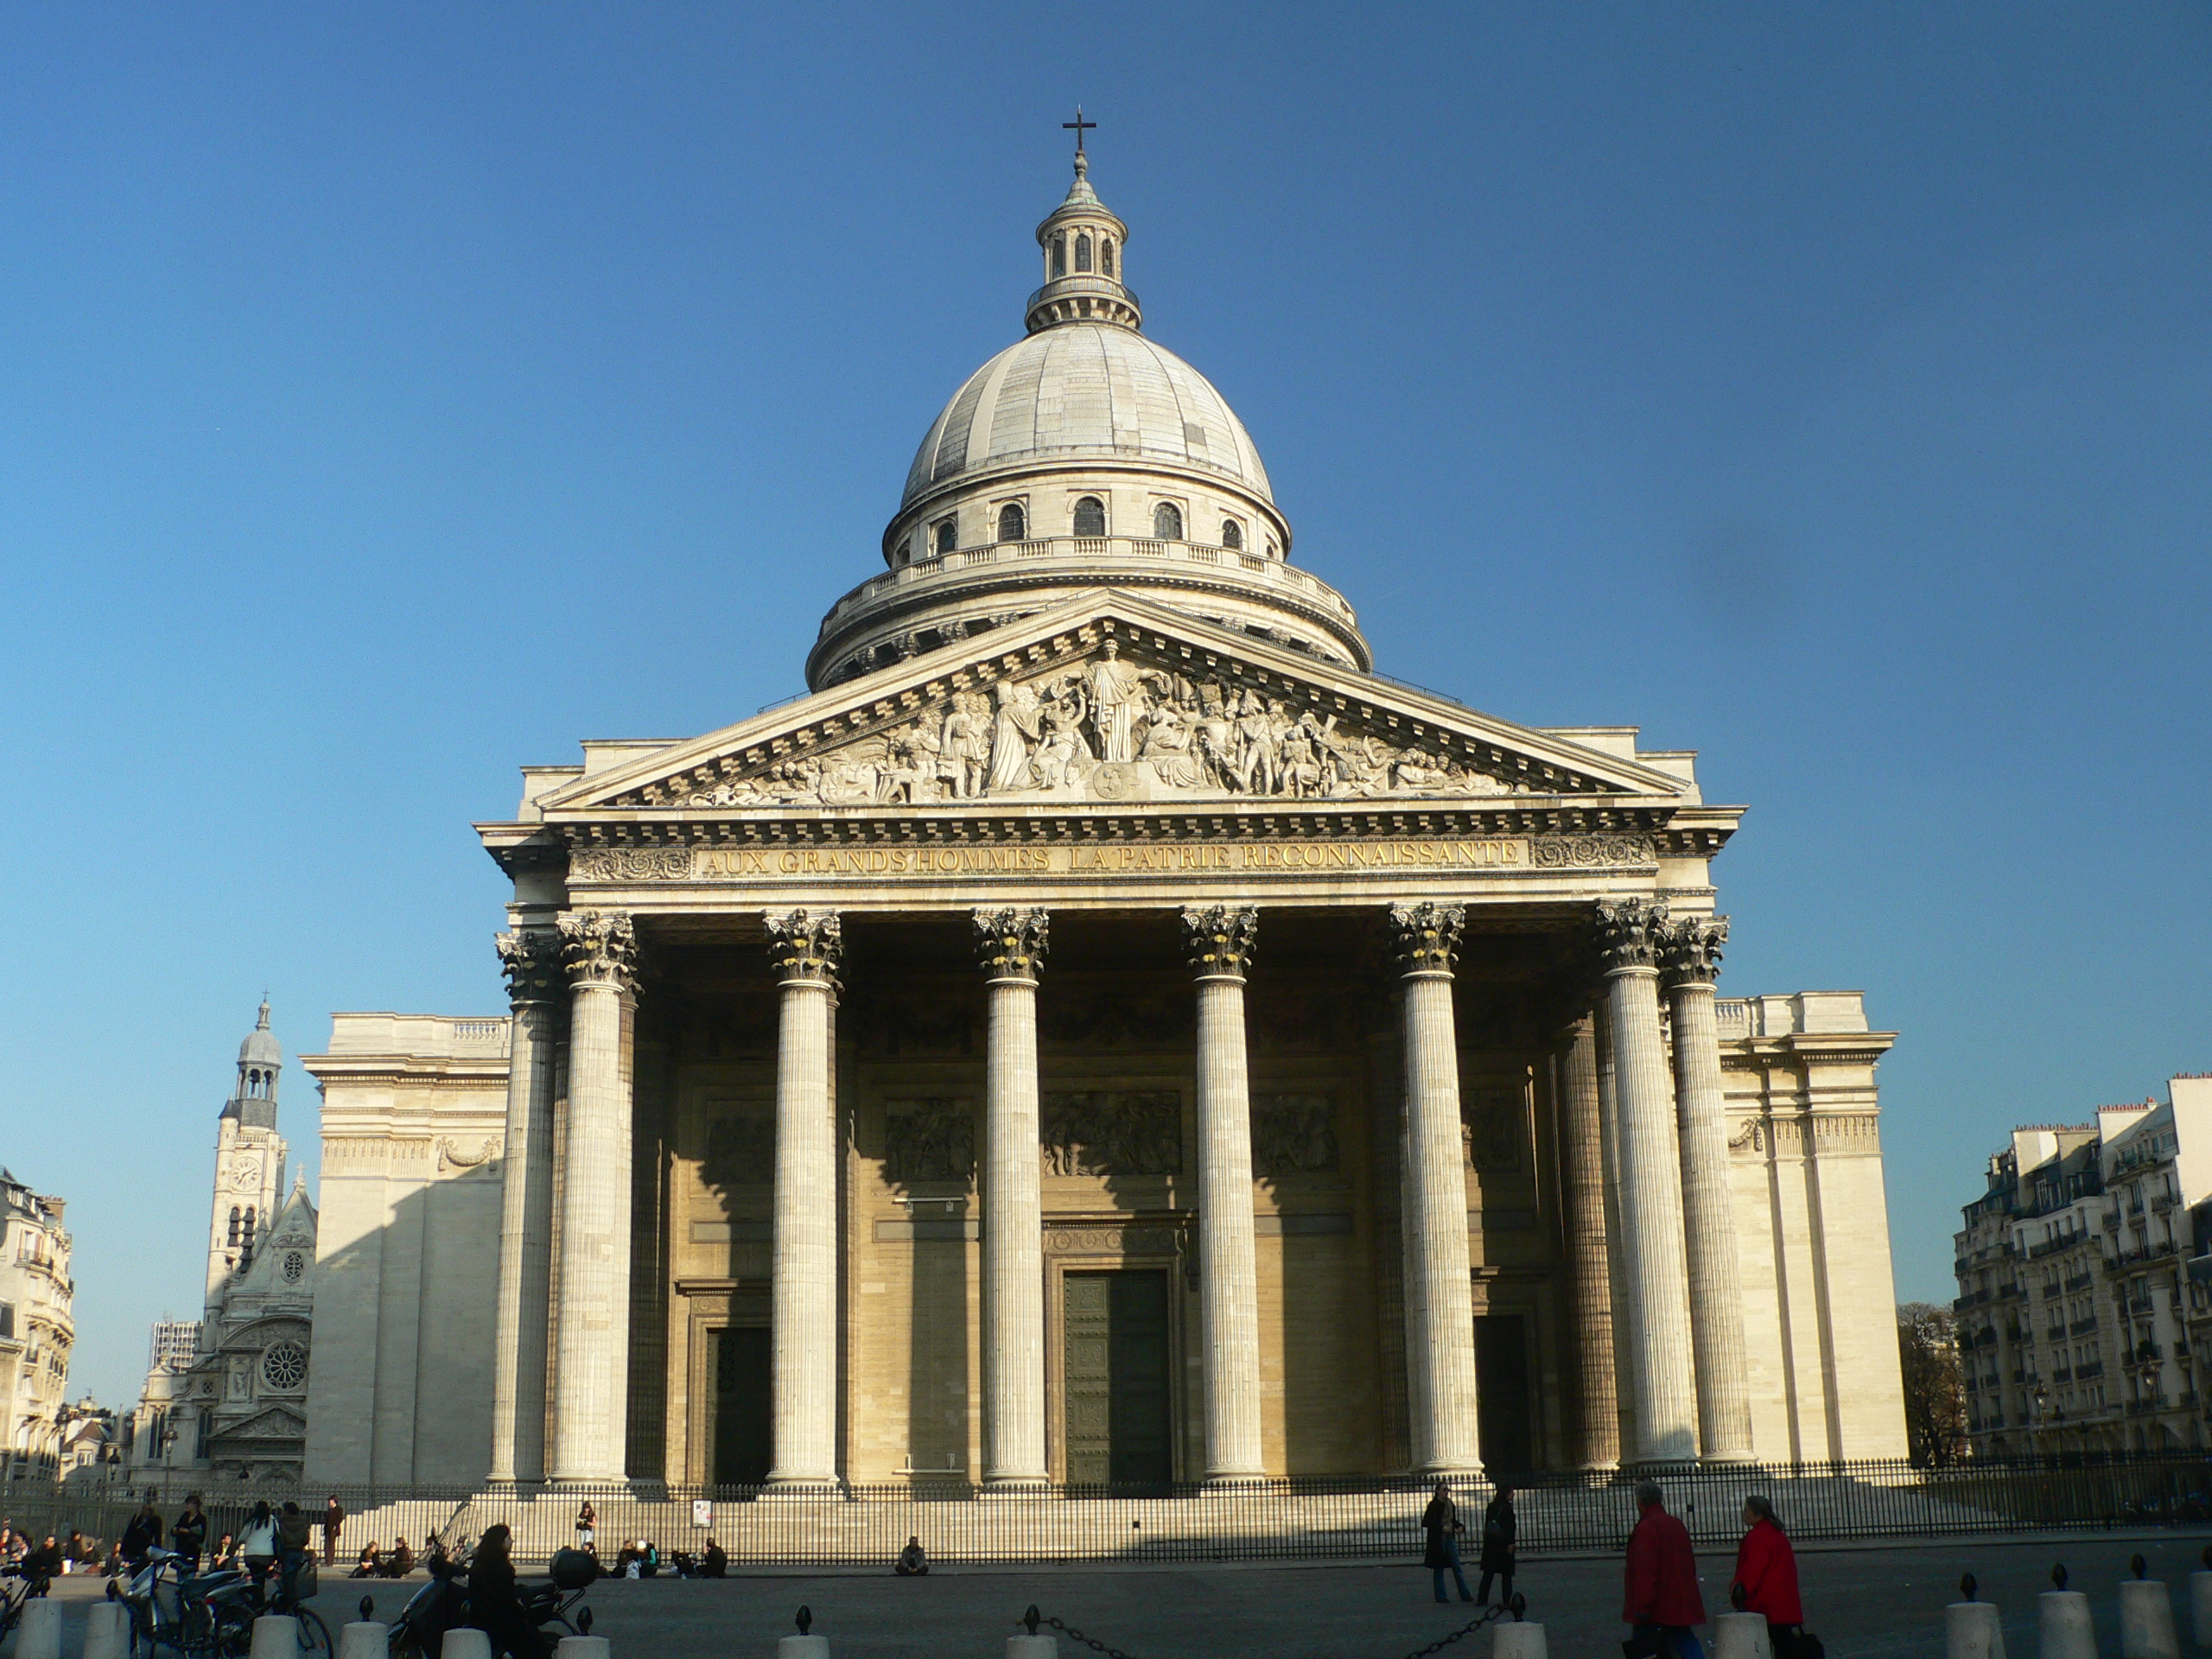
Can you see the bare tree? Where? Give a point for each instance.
(1935, 1398)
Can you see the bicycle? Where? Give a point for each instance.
(16, 1590)
(232, 1607)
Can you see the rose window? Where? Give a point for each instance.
(284, 1367)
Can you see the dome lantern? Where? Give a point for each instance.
(1082, 242)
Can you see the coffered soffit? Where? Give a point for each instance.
(1108, 698)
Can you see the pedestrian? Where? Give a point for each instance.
(1440, 1521)
(142, 1533)
(257, 1548)
(1663, 1603)
(1500, 1528)
(188, 1536)
(714, 1563)
(912, 1562)
(334, 1516)
(1766, 1574)
(587, 1525)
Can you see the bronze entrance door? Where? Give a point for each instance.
(1504, 1413)
(1117, 1420)
(737, 1386)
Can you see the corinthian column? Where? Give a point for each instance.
(1439, 1301)
(591, 1379)
(1010, 949)
(1656, 1320)
(536, 987)
(805, 950)
(1219, 941)
(1690, 963)
(1583, 1170)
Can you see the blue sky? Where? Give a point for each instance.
(390, 396)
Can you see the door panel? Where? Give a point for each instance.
(738, 1389)
(1117, 1418)
(1503, 1412)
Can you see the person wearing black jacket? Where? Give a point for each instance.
(188, 1536)
(142, 1533)
(495, 1604)
(1500, 1528)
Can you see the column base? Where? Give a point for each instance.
(1029, 1486)
(801, 1489)
(1228, 1485)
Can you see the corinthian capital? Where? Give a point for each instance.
(1425, 938)
(1689, 951)
(531, 961)
(1010, 943)
(1629, 933)
(599, 947)
(1218, 940)
(805, 944)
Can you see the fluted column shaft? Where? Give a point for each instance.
(1010, 945)
(592, 1381)
(805, 950)
(1654, 1273)
(520, 1358)
(1441, 1312)
(1219, 941)
(1690, 961)
(1583, 1167)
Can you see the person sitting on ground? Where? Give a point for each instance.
(43, 1562)
(401, 1561)
(1663, 1602)
(912, 1562)
(224, 1555)
(371, 1566)
(625, 1559)
(648, 1558)
(713, 1562)
(74, 1551)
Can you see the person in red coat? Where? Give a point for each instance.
(1663, 1602)
(1766, 1572)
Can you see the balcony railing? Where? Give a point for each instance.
(2082, 1327)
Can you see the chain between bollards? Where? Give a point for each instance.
(1519, 1604)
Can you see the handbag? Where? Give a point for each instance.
(1647, 1642)
(1801, 1643)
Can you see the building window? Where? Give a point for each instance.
(1271, 551)
(1082, 253)
(1167, 522)
(1089, 516)
(295, 1266)
(1232, 533)
(1013, 523)
(1060, 254)
(7, 1318)
(948, 534)
(234, 1227)
(1106, 254)
(284, 1366)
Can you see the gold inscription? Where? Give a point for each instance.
(1117, 858)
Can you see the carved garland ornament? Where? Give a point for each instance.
(451, 1156)
(1011, 942)
(599, 947)
(631, 864)
(1590, 852)
(805, 945)
(1425, 938)
(1218, 940)
(532, 962)
(1629, 933)
(1689, 951)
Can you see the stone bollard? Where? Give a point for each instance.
(363, 1638)
(1972, 1631)
(277, 1636)
(2200, 1602)
(1032, 1647)
(572, 1647)
(107, 1631)
(39, 1637)
(2063, 1627)
(804, 1645)
(1741, 1635)
(2146, 1617)
(460, 1642)
(1518, 1640)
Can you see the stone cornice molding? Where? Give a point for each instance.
(806, 947)
(1689, 951)
(600, 948)
(530, 959)
(1425, 938)
(1011, 942)
(1629, 933)
(1219, 940)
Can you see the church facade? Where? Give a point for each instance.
(1105, 1037)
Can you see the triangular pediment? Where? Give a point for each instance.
(1112, 698)
(273, 1424)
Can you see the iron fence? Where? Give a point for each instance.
(1298, 1519)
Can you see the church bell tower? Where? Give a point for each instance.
(250, 1158)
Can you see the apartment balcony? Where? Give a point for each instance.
(2083, 1373)
(2082, 1327)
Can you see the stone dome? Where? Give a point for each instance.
(1085, 390)
(261, 1047)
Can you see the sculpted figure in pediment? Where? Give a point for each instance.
(1015, 728)
(1117, 703)
(966, 743)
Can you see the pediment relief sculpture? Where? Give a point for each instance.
(1109, 724)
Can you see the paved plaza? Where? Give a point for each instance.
(1886, 1600)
